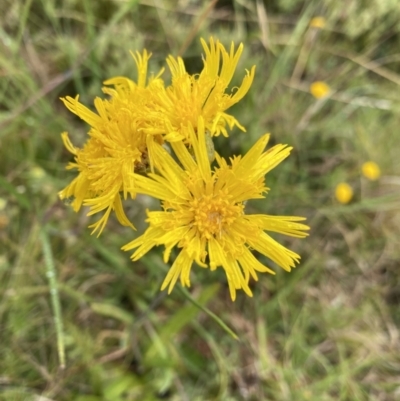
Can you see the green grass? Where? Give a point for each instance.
(329, 330)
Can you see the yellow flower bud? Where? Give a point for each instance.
(319, 89)
(344, 193)
(318, 22)
(371, 170)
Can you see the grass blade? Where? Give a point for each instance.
(55, 298)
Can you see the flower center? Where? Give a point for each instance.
(213, 214)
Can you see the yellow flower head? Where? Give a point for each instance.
(116, 147)
(371, 170)
(191, 96)
(318, 22)
(203, 212)
(344, 193)
(319, 89)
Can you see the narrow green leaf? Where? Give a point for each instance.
(112, 311)
(55, 297)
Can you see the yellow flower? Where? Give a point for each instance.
(116, 147)
(191, 96)
(371, 170)
(319, 89)
(203, 212)
(344, 193)
(318, 22)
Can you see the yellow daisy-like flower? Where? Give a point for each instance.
(117, 145)
(371, 170)
(203, 212)
(344, 193)
(319, 89)
(191, 96)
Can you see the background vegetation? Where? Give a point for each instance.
(329, 330)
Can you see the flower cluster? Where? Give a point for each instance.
(202, 205)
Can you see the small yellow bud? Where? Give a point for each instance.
(319, 89)
(37, 172)
(3, 204)
(344, 193)
(318, 22)
(371, 170)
